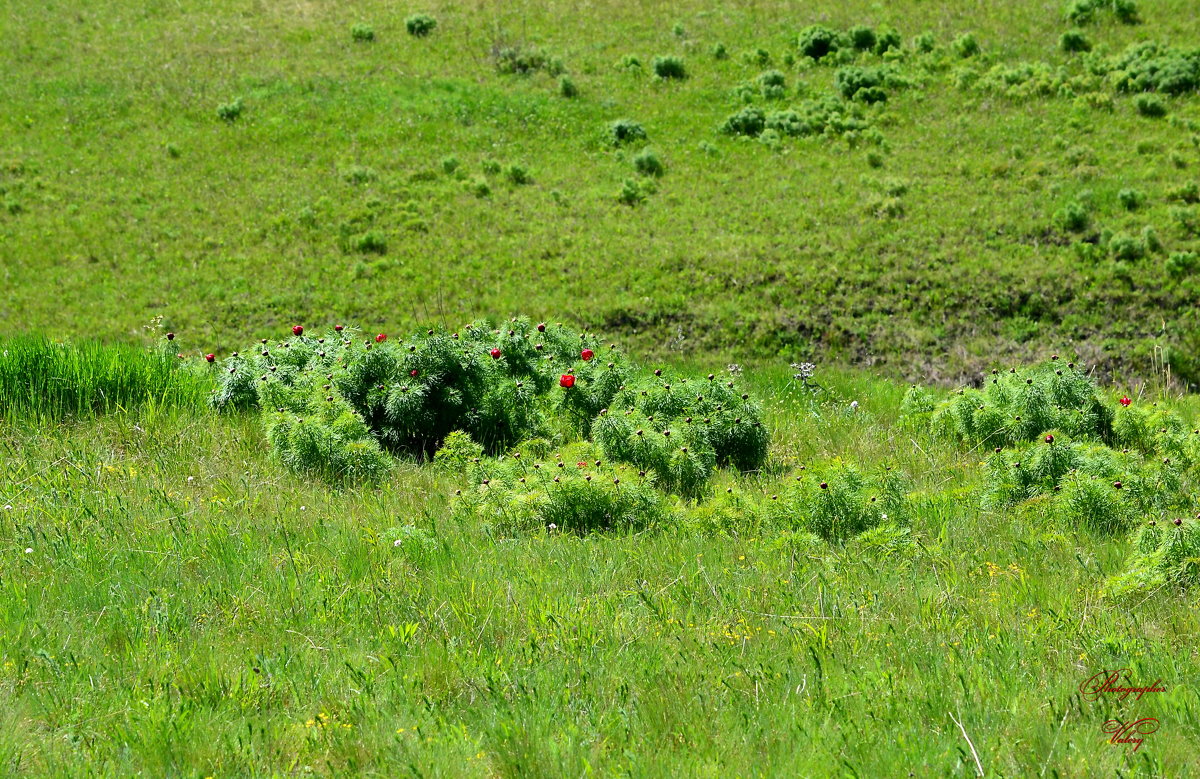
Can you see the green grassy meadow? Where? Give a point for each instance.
(179, 599)
(127, 197)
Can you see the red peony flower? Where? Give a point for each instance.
(413, 373)
(566, 381)
(381, 338)
(210, 357)
(170, 336)
(541, 327)
(337, 328)
(495, 354)
(587, 355)
(1049, 438)
(1125, 401)
(297, 330)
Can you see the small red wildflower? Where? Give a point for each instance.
(170, 336)
(566, 381)
(381, 338)
(587, 355)
(298, 330)
(338, 328)
(210, 357)
(413, 373)
(541, 327)
(1049, 438)
(495, 354)
(1125, 401)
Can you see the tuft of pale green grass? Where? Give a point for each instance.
(43, 378)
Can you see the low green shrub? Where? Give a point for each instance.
(1165, 555)
(362, 33)
(817, 41)
(577, 493)
(965, 46)
(420, 25)
(681, 429)
(861, 38)
(330, 402)
(1020, 406)
(624, 131)
(749, 121)
(669, 67)
(1155, 67)
(1074, 217)
(1150, 106)
(1074, 41)
(648, 163)
(520, 60)
(839, 502)
(1131, 199)
(231, 112)
(1181, 264)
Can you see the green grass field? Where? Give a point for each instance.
(127, 196)
(203, 589)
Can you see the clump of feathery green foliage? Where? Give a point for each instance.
(840, 502)
(499, 386)
(41, 378)
(576, 492)
(1165, 554)
(1085, 485)
(1020, 406)
(681, 429)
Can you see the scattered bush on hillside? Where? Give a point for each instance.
(1181, 264)
(517, 174)
(362, 33)
(231, 111)
(1185, 193)
(420, 25)
(1150, 106)
(1088, 11)
(567, 88)
(669, 67)
(1131, 199)
(749, 121)
(524, 60)
(1155, 67)
(1074, 217)
(648, 163)
(861, 38)
(925, 43)
(624, 131)
(965, 46)
(817, 41)
(1074, 41)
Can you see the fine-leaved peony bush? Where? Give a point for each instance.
(1165, 556)
(840, 502)
(1019, 406)
(576, 492)
(338, 403)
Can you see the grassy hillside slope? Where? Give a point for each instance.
(371, 180)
